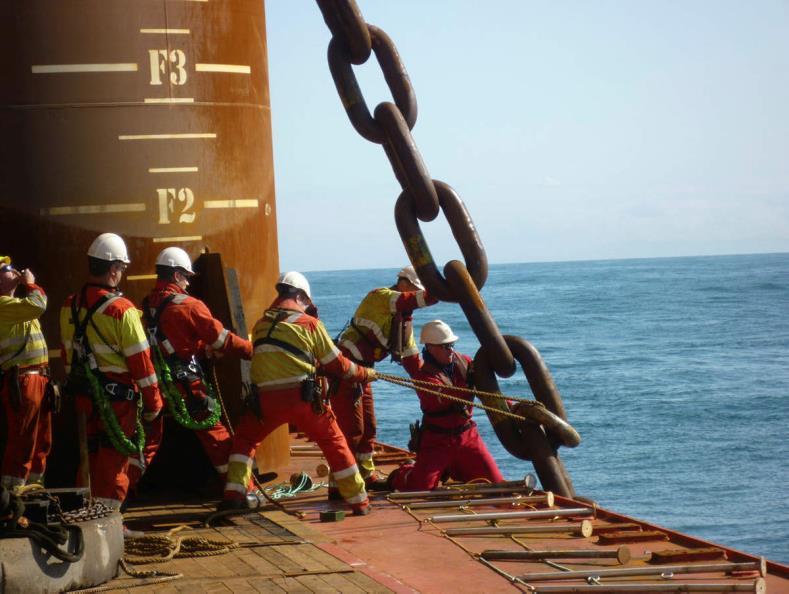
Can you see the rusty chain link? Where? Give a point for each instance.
(422, 198)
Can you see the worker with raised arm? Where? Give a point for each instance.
(447, 444)
(183, 333)
(381, 325)
(109, 368)
(24, 376)
(290, 347)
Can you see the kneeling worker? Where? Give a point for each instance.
(289, 347)
(448, 441)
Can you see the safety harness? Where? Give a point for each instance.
(311, 388)
(86, 378)
(172, 369)
(417, 428)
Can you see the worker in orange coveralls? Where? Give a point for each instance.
(290, 347)
(185, 332)
(380, 326)
(449, 444)
(101, 327)
(24, 375)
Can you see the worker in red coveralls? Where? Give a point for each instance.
(448, 441)
(185, 332)
(101, 330)
(380, 326)
(290, 347)
(24, 375)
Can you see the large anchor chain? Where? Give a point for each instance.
(545, 426)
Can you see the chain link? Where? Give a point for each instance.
(92, 512)
(423, 198)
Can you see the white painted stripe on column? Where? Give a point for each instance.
(93, 209)
(252, 203)
(174, 239)
(229, 68)
(172, 169)
(169, 100)
(166, 31)
(72, 68)
(188, 136)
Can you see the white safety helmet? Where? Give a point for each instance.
(175, 257)
(409, 274)
(296, 280)
(437, 332)
(109, 247)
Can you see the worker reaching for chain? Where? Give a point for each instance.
(447, 443)
(109, 369)
(381, 325)
(182, 332)
(290, 346)
(24, 377)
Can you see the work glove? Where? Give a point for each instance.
(372, 375)
(149, 416)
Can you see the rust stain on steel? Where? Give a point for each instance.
(81, 143)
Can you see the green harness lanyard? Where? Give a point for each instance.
(172, 396)
(82, 356)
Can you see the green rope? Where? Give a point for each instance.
(174, 400)
(118, 439)
(285, 490)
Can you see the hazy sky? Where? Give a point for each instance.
(571, 130)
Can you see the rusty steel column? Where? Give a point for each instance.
(149, 119)
(152, 121)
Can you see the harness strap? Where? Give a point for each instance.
(153, 320)
(448, 430)
(81, 326)
(366, 337)
(294, 350)
(454, 407)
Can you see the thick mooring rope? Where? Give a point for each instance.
(429, 388)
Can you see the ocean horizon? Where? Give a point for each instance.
(674, 370)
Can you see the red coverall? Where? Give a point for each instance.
(366, 344)
(125, 359)
(450, 442)
(278, 374)
(29, 423)
(189, 328)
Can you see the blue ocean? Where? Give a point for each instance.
(675, 371)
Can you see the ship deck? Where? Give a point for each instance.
(412, 543)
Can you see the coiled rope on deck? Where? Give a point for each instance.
(157, 548)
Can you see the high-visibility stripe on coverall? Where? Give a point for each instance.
(124, 358)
